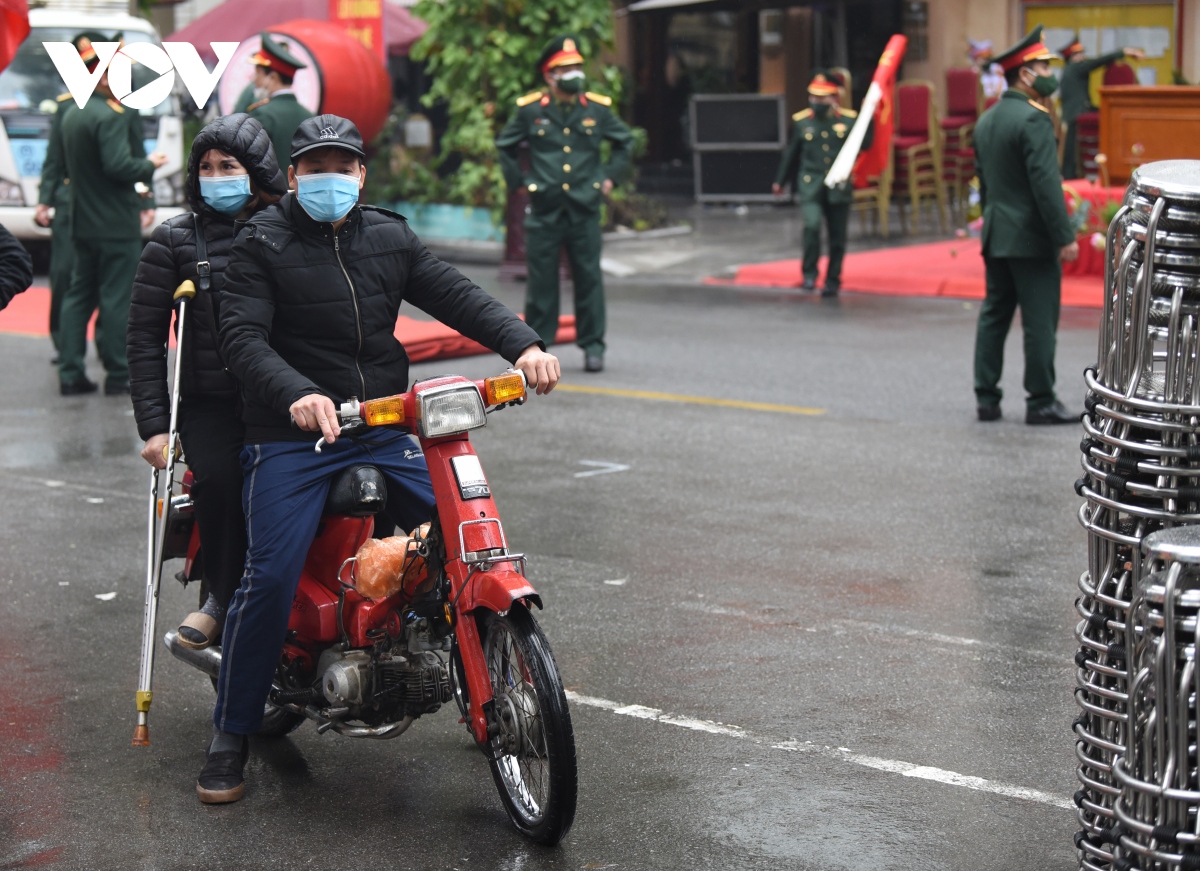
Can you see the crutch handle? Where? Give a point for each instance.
(187, 290)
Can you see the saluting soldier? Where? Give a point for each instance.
(54, 201)
(567, 181)
(1026, 233)
(817, 137)
(277, 108)
(105, 158)
(1076, 97)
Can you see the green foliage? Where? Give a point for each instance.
(482, 56)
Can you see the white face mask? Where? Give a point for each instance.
(261, 94)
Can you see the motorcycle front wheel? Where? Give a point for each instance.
(533, 756)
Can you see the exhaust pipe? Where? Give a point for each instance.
(207, 660)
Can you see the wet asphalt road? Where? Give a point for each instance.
(826, 620)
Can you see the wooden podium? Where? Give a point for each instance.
(1143, 124)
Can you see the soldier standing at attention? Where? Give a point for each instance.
(1075, 97)
(817, 137)
(567, 181)
(104, 156)
(277, 108)
(54, 194)
(1026, 233)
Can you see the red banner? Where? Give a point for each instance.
(873, 161)
(362, 19)
(14, 27)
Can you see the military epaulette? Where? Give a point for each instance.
(62, 98)
(258, 104)
(115, 106)
(599, 98)
(802, 114)
(1038, 105)
(531, 97)
(849, 113)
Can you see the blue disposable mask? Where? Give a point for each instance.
(228, 194)
(327, 196)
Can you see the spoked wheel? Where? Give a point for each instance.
(533, 756)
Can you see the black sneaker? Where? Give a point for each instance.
(1054, 413)
(809, 285)
(593, 363)
(988, 412)
(77, 388)
(221, 780)
(831, 289)
(119, 387)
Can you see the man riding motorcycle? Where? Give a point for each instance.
(307, 321)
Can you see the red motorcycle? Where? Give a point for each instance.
(456, 623)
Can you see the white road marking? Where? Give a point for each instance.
(844, 754)
(94, 500)
(86, 488)
(601, 468)
(617, 582)
(106, 597)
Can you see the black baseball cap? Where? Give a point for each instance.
(327, 131)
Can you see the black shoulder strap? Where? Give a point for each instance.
(203, 267)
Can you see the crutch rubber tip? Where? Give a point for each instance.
(141, 736)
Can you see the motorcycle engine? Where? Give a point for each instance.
(384, 687)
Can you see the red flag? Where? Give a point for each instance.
(873, 161)
(14, 27)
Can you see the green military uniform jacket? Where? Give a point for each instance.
(280, 116)
(565, 167)
(105, 157)
(1073, 85)
(54, 189)
(814, 145)
(1019, 183)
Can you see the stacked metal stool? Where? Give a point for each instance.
(1141, 464)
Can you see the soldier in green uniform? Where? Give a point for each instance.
(54, 201)
(277, 108)
(1075, 96)
(567, 181)
(1026, 232)
(817, 137)
(105, 158)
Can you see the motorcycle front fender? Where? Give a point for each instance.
(497, 590)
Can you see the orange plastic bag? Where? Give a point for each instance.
(386, 566)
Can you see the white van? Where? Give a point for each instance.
(28, 88)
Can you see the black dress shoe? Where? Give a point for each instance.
(75, 388)
(116, 388)
(988, 412)
(1051, 414)
(221, 779)
(593, 363)
(831, 289)
(809, 285)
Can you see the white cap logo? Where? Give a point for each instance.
(328, 133)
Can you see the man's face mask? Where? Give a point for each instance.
(327, 196)
(820, 109)
(572, 82)
(1044, 86)
(226, 194)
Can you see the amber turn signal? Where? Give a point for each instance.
(383, 412)
(505, 388)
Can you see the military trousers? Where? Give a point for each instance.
(545, 236)
(102, 279)
(62, 262)
(1034, 285)
(837, 218)
(1070, 169)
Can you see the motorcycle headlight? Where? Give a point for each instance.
(10, 193)
(457, 408)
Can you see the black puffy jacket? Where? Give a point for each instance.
(16, 268)
(168, 260)
(305, 311)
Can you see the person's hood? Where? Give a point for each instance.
(244, 138)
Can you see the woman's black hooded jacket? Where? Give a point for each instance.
(170, 259)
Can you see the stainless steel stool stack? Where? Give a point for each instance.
(1141, 458)
(1158, 826)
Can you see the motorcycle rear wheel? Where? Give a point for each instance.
(533, 757)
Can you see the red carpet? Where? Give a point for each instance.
(29, 314)
(951, 269)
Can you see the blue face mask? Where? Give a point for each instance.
(327, 196)
(227, 194)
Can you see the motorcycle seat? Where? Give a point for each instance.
(358, 491)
